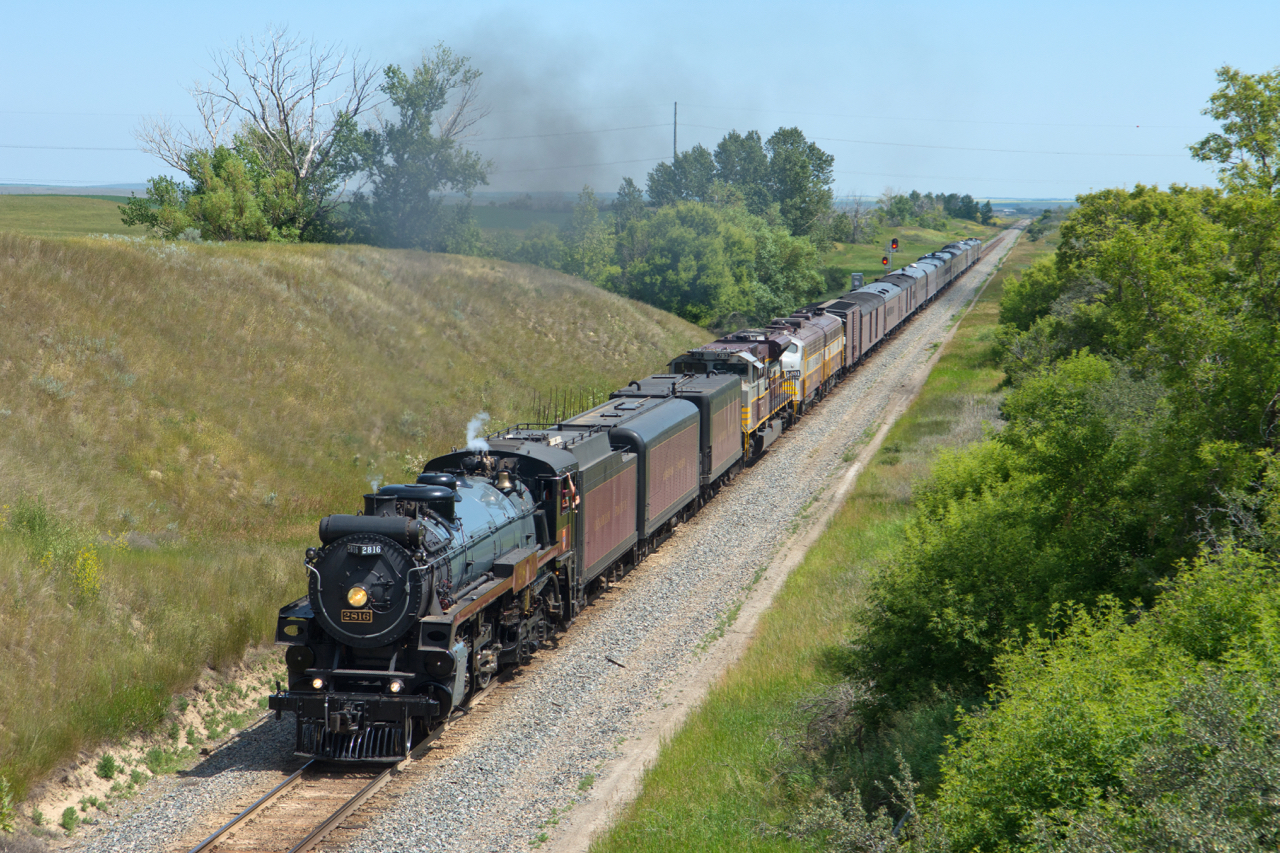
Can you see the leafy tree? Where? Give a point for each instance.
(709, 263)
(800, 179)
(1057, 507)
(742, 163)
(542, 247)
(410, 161)
(1030, 296)
(986, 215)
(687, 177)
(1248, 148)
(628, 206)
(787, 171)
(163, 209)
(691, 257)
(589, 242)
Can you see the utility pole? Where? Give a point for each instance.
(675, 112)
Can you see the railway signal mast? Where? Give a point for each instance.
(887, 260)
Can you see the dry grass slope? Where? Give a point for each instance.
(175, 418)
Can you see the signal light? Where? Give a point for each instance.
(894, 244)
(884, 261)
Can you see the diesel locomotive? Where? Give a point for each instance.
(416, 602)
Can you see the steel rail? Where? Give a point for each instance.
(335, 820)
(256, 807)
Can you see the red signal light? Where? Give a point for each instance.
(884, 261)
(894, 244)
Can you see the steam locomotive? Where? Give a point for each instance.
(418, 601)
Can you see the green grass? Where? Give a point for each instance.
(746, 761)
(175, 418)
(913, 242)
(63, 215)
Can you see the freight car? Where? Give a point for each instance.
(416, 602)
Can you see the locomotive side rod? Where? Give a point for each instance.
(256, 807)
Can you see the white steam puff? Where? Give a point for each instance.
(474, 427)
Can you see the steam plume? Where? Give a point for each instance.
(474, 427)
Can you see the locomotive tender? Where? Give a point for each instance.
(415, 604)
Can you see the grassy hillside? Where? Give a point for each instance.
(174, 419)
(63, 215)
(913, 242)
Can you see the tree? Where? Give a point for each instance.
(1248, 149)
(282, 104)
(590, 246)
(800, 179)
(687, 177)
(741, 162)
(986, 215)
(628, 206)
(409, 161)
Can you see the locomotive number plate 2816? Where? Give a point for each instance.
(357, 616)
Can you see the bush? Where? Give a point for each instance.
(1064, 726)
(70, 820)
(1214, 777)
(107, 767)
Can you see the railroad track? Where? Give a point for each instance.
(284, 819)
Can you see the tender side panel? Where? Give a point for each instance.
(673, 473)
(609, 524)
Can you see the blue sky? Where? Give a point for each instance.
(1020, 99)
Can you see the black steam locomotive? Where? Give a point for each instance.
(417, 602)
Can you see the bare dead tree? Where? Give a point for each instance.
(860, 213)
(462, 85)
(289, 94)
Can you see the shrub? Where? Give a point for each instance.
(107, 767)
(70, 820)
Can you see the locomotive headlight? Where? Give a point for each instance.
(317, 683)
(397, 685)
(357, 596)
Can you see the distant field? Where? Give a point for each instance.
(63, 215)
(509, 219)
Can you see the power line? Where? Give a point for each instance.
(961, 148)
(65, 148)
(580, 165)
(954, 178)
(565, 133)
(916, 118)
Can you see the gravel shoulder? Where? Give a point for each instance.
(550, 762)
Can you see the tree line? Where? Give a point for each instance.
(1085, 617)
(300, 142)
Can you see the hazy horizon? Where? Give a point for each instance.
(1013, 102)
